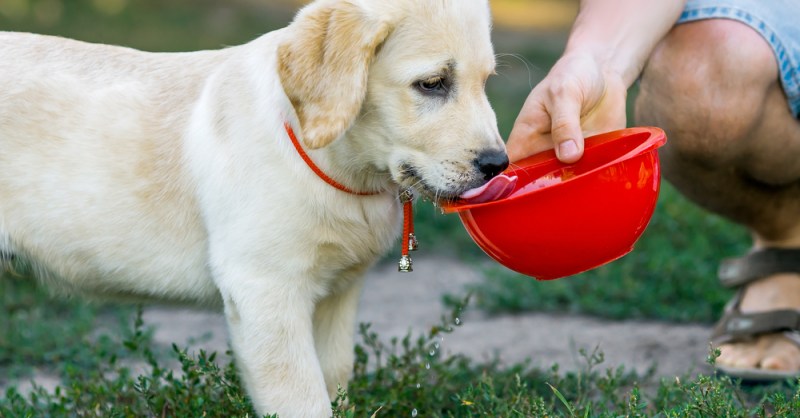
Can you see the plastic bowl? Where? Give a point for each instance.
(563, 219)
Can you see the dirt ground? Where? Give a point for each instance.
(396, 303)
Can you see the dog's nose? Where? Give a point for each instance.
(491, 163)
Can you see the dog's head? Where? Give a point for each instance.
(405, 79)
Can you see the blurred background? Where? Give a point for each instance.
(514, 14)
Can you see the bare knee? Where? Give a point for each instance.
(706, 84)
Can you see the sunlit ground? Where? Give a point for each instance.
(534, 14)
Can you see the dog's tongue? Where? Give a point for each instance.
(496, 188)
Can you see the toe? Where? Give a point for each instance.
(771, 351)
(740, 355)
(781, 354)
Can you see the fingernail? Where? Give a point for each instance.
(568, 150)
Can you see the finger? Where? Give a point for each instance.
(526, 140)
(567, 137)
(531, 131)
(608, 113)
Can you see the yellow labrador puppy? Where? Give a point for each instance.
(172, 176)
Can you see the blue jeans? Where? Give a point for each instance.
(778, 21)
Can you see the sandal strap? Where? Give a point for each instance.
(735, 272)
(736, 326)
(793, 336)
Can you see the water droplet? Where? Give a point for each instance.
(414, 412)
(435, 346)
(418, 386)
(457, 321)
(432, 352)
(427, 366)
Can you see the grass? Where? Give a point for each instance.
(151, 25)
(398, 377)
(669, 276)
(42, 333)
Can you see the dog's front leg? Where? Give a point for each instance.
(272, 338)
(334, 326)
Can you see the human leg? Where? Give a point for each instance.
(734, 148)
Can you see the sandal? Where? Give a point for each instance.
(736, 326)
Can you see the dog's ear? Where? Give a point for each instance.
(323, 66)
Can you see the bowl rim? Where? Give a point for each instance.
(656, 139)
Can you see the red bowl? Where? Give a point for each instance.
(563, 219)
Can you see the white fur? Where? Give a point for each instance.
(170, 176)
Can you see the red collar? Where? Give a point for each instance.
(321, 174)
(406, 197)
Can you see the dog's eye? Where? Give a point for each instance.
(433, 85)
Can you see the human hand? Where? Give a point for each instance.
(576, 98)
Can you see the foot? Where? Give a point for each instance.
(769, 351)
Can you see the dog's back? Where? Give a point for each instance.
(91, 148)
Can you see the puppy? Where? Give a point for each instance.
(172, 176)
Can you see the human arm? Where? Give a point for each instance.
(585, 91)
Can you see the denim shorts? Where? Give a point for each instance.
(778, 21)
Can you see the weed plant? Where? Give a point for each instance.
(399, 377)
